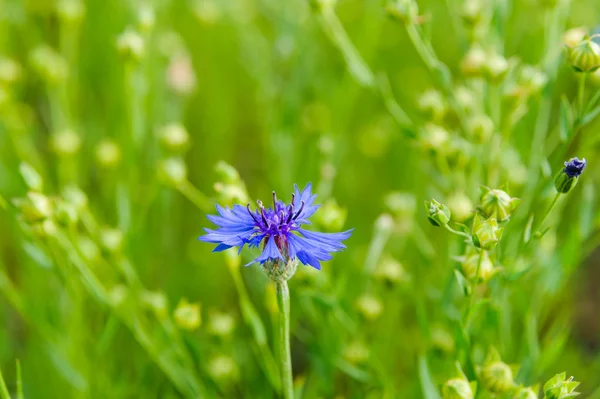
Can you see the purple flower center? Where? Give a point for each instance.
(276, 221)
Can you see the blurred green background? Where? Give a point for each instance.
(136, 102)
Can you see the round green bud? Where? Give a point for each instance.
(384, 223)
(401, 204)
(146, 18)
(187, 315)
(326, 145)
(131, 45)
(112, 240)
(465, 99)
(117, 295)
(585, 57)
(181, 77)
(497, 203)
(66, 213)
(223, 369)
(108, 154)
(220, 324)
(480, 127)
(442, 339)
(474, 62)
(496, 67)
(485, 233)
(461, 206)
(226, 172)
(433, 104)
(65, 143)
(49, 65)
(356, 353)
(10, 71)
(390, 272)
(532, 79)
(75, 196)
(435, 138)
(468, 266)
(457, 388)
(89, 249)
(328, 171)
(331, 215)
(497, 377)
(174, 137)
(438, 214)
(172, 171)
(369, 307)
(231, 193)
(156, 302)
(472, 12)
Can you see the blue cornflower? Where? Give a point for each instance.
(277, 230)
(574, 167)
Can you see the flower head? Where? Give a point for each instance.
(574, 167)
(567, 178)
(277, 230)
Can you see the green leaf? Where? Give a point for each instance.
(566, 120)
(590, 116)
(528, 227)
(3, 389)
(592, 103)
(428, 387)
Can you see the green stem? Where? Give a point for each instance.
(473, 287)
(253, 320)
(581, 93)
(552, 205)
(19, 382)
(460, 233)
(285, 355)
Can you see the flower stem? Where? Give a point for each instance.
(473, 287)
(552, 205)
(460, 233)
(285, 356)
(581, 92)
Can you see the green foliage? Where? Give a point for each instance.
(123, 123)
